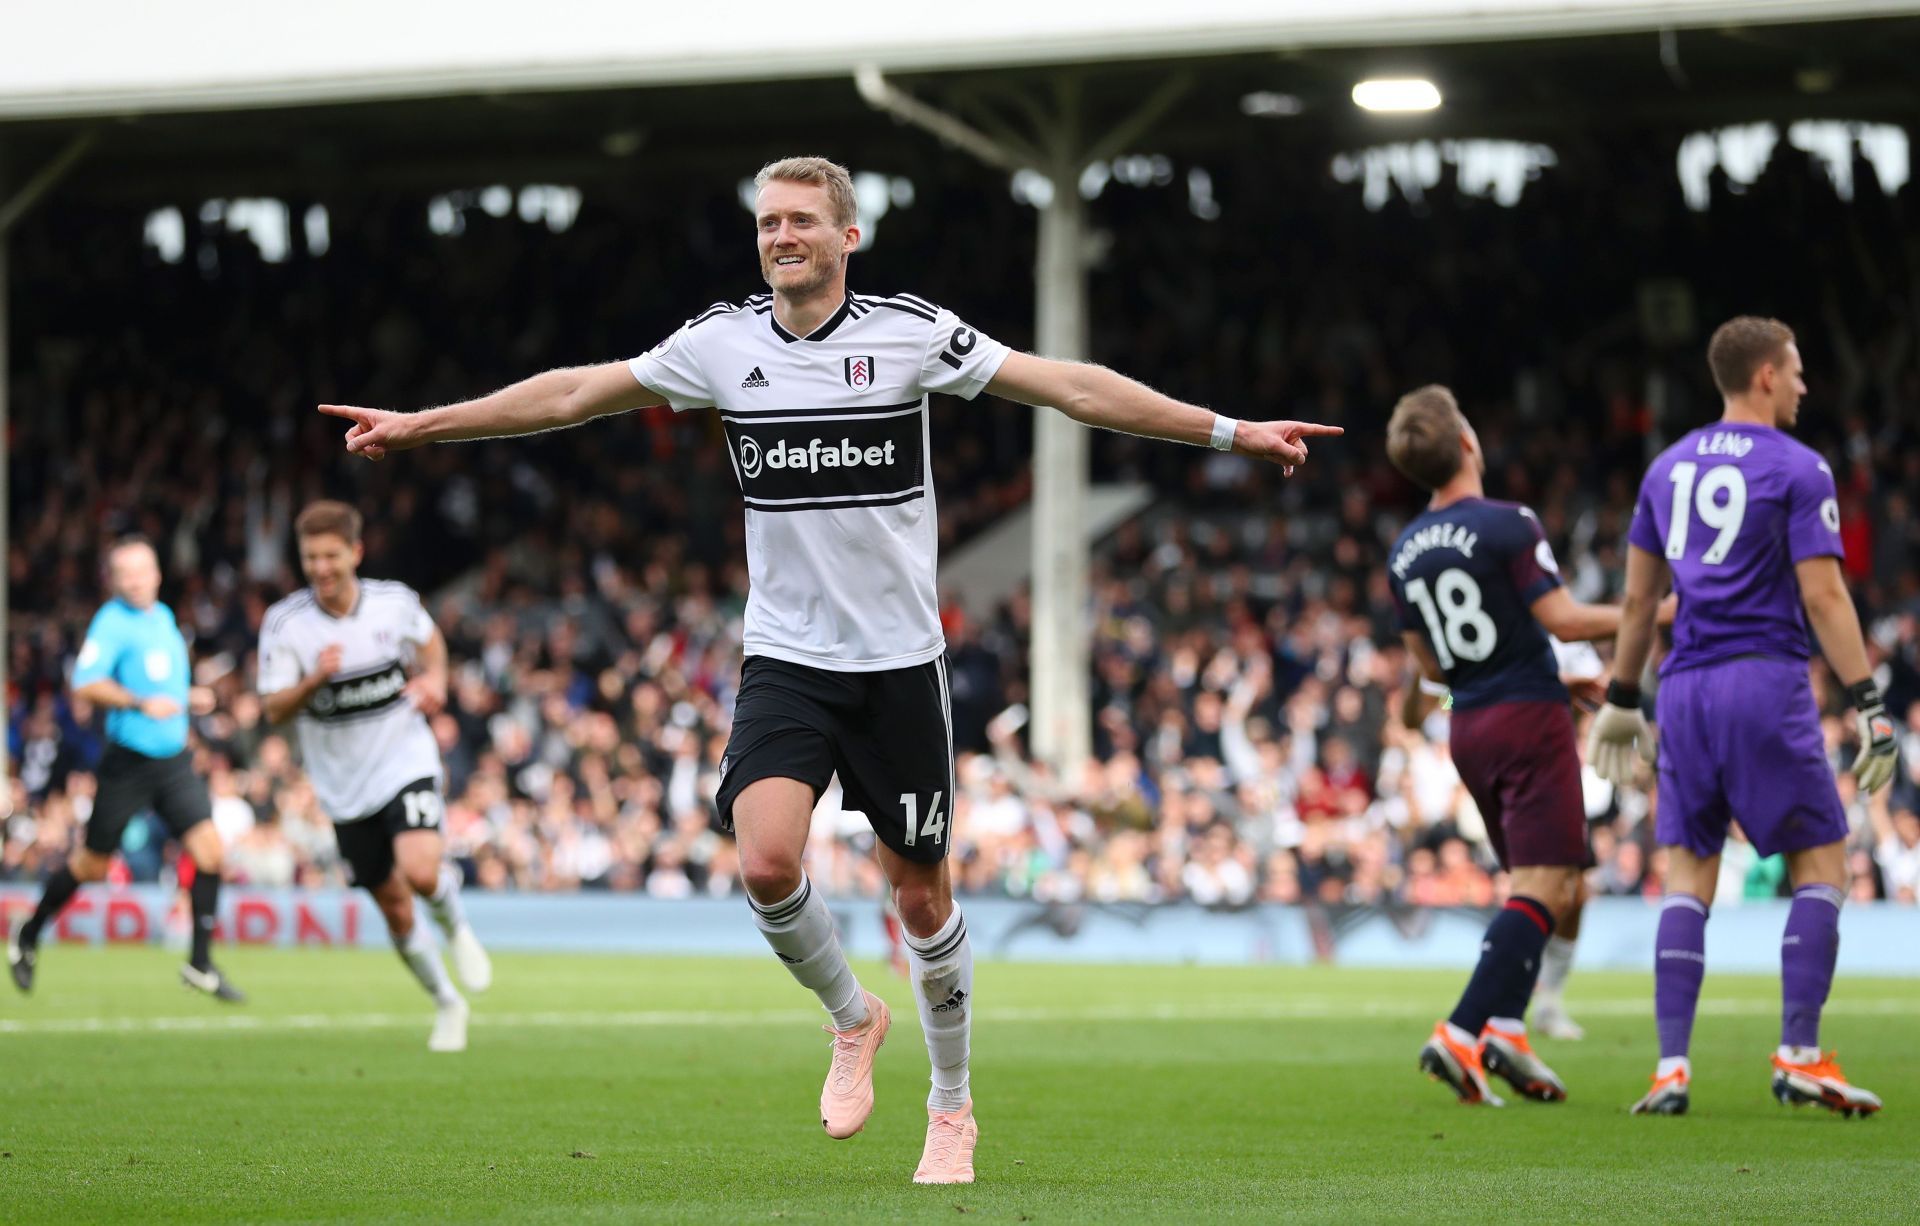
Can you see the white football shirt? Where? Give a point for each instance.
(361, 739)
(829, 439)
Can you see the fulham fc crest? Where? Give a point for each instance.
(859, 373)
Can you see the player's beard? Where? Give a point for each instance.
(819, 278)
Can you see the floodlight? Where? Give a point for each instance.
(1397, 94)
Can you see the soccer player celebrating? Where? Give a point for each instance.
(1745, 521)
(133, 664)
(334, 657)
(1479, 592)
(823, 396)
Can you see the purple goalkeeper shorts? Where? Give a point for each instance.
(1521, 763)
(1740, 741)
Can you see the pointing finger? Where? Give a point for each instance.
(1301, 428)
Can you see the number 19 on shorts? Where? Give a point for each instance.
(935, 828)
(423, 809)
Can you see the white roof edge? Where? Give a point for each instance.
(1385, 24)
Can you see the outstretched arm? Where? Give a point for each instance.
(1572, 622)
(550, 401)
(1096, 396)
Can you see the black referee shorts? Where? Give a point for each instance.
(130, 782)
(889, 734)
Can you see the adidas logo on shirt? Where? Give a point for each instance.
(755, 379)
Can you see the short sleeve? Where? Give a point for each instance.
(672, 368)
(277, 667)
(416, 624)
(99, 651)
(1643, 533)
(1813, 512)
(1535, 571)
(959, 360)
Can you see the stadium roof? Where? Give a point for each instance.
(373, 95)
(92, 57)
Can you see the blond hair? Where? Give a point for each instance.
(819, 172)
(1423, 436)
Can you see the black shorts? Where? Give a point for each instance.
(130, 782)
(367, 844)
(889, 735)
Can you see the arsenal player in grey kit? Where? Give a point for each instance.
(823, 395)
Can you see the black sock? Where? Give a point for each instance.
(206, 900)
(60, 889)
(1509, 963)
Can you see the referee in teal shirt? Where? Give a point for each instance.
(134, 666)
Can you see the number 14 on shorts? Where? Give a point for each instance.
(936, 823)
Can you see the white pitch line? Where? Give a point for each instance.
(1298, 1009)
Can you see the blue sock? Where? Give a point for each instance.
(1509, 964)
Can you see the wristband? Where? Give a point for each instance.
(1865, 695)
(1223, 428)
(1623, 694)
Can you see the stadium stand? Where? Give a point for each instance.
(590, 583)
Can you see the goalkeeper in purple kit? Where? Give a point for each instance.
(1744, 519)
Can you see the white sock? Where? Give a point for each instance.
(800, 929)
(1799, 1055)
(1508, 1025)
(444, 902)
(422, 957)
(943, 988)
(1555, 964)
(1669, 1063)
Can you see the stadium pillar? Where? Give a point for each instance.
(1060, 654)
(1061, 643)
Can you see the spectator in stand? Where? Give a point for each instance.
(590, 585)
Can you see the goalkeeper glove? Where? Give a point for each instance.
(1620, 733)
(1873, 764)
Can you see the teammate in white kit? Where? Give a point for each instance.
(359, 665)
(823, 395)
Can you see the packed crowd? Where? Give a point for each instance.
(1247, 669)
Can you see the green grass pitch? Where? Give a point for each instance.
(621, 1089)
